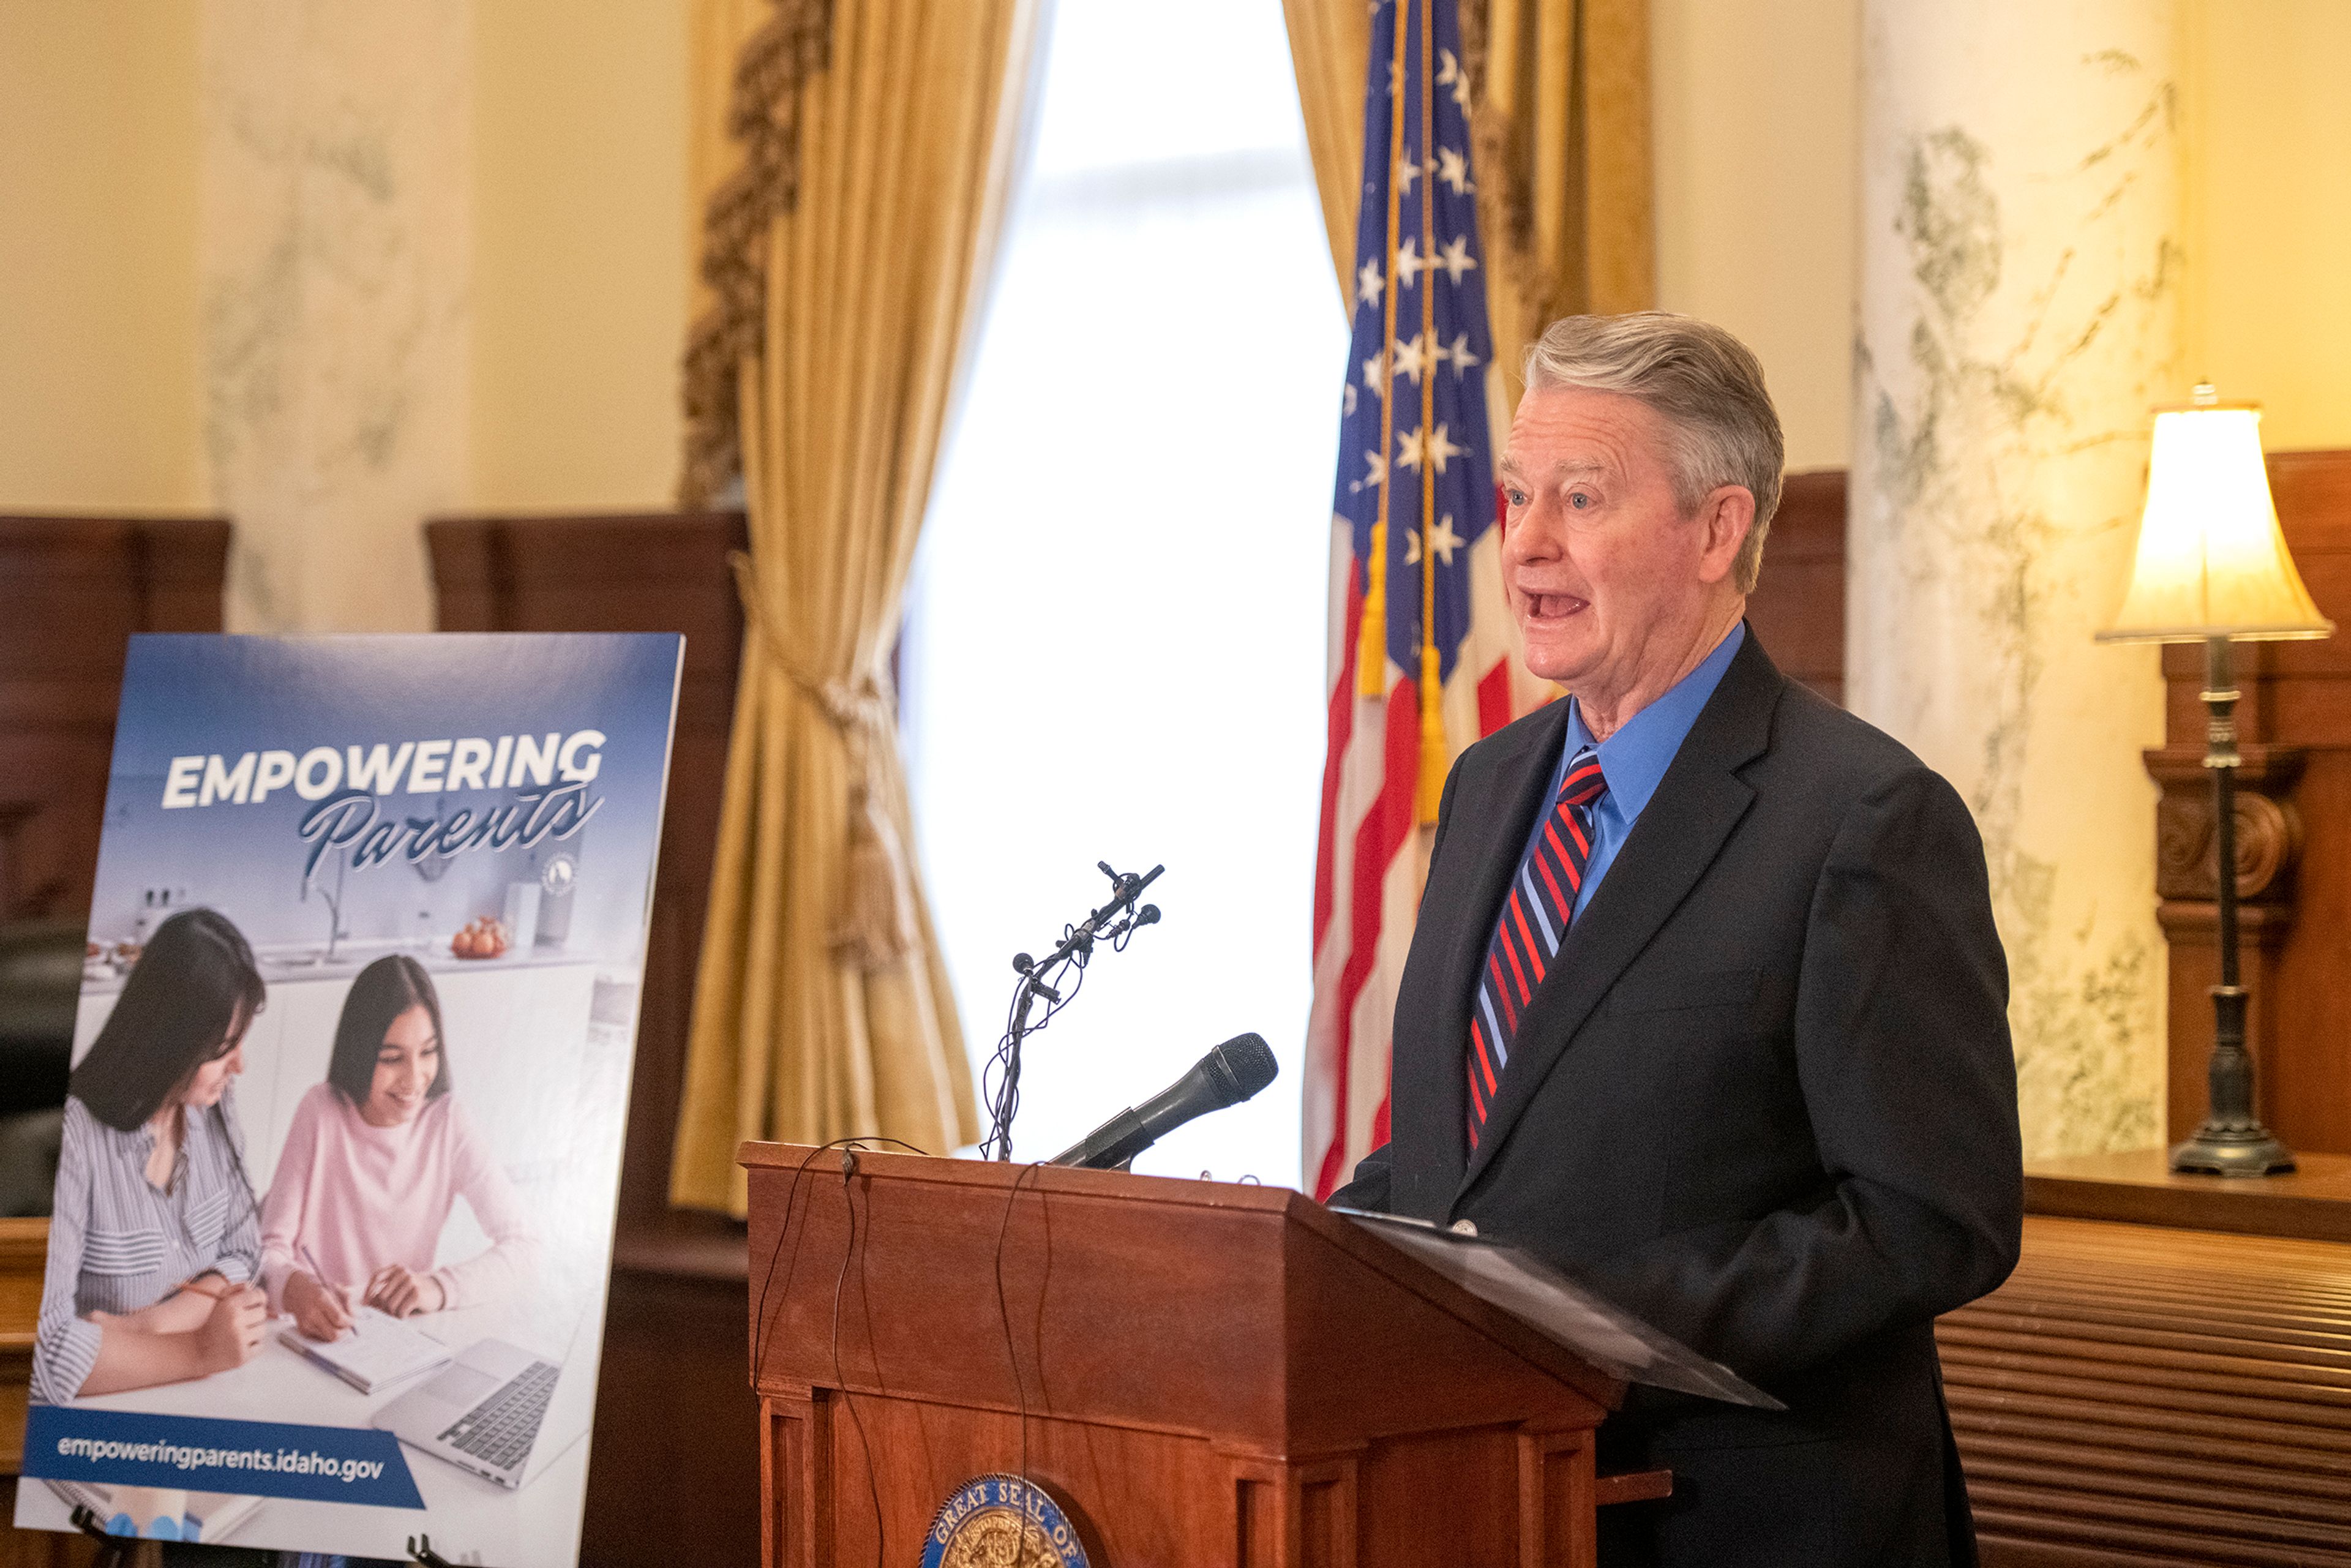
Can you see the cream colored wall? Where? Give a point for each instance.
(1758, 193)
(577, 286)
(1757, 202)
(2269, 232)
(579, 282)
(99, 146)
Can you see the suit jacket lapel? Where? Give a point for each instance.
(1471, 878)
(1682, 829)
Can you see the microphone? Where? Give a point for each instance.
(1226, 1076)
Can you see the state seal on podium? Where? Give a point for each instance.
(1001, 1522)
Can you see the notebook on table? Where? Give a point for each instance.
(378, 1354)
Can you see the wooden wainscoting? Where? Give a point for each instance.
(2294, 842)
(2145, 1394)
(71, 591)
(676, 1446)
(1798, 608)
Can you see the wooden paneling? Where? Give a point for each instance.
(1798, 608)
(676, 1444)
(653, 573)
(51, 1549)
(675, 1455)
(2311, 1203)
(71, 591)
(2298, 705)
(2139, 1394)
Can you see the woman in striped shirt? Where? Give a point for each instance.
(155, 1239)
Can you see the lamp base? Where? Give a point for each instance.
(2244, 1150)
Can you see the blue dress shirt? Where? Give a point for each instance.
(1635, 759)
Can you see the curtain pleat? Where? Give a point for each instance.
(823, 1010)
(1330, 46)
(1559, 108)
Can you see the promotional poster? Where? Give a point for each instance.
(334, 1205)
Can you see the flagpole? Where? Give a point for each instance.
(1371, 650)
(1432, 681)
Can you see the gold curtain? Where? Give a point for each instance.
(1330, 49)
(876, 139)
(1560, 108)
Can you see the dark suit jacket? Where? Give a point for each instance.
(1764, 1099)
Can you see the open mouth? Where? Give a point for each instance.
(1553, 606)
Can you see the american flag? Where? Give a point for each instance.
(1421, 638)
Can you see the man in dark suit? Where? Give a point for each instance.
(1705, 1003)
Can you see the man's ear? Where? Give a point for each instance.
(1725, 516)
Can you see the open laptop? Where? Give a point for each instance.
(500, 1411)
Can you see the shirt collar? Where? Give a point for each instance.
(1635, 758)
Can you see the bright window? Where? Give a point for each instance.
(1116, 633)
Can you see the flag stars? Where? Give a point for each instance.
(1368, 283)
(1416, 355)
(1407, 171)
(1444, 540)
(1371, 372)
(1409, 263)
(1414, 447)
(1347, 401)
(1454, 169)
(1459, 356)
(1454, 258)
(1441, 539)
(1450, 74)
(1375, 473)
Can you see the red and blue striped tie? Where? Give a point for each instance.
(1532, 925)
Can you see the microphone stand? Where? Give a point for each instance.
(1076, 946)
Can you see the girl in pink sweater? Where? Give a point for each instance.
(376, 1158)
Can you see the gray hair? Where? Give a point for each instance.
(1704, 383)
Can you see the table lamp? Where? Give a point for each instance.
(2213, 567)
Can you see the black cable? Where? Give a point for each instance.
(839, 1380)
(1011, 1351)
(760, 1320)
(1000, 1079)
(761, 1330)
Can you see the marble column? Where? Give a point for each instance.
(335, 253)
(2020, 313)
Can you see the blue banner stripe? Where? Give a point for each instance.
(200, 1453)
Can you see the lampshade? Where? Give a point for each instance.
(2211, 561)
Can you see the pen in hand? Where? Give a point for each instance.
(328, 1315)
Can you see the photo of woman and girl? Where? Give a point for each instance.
(163, 1264)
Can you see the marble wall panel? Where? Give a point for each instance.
(335, 253)
(2021, 280)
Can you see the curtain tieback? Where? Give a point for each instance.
(873, 924)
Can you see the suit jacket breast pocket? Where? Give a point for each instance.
(1711, 996)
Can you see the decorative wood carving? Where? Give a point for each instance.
(2269, 827)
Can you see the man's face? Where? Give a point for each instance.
(1606, 575)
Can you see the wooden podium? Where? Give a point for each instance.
(1199, 1372)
